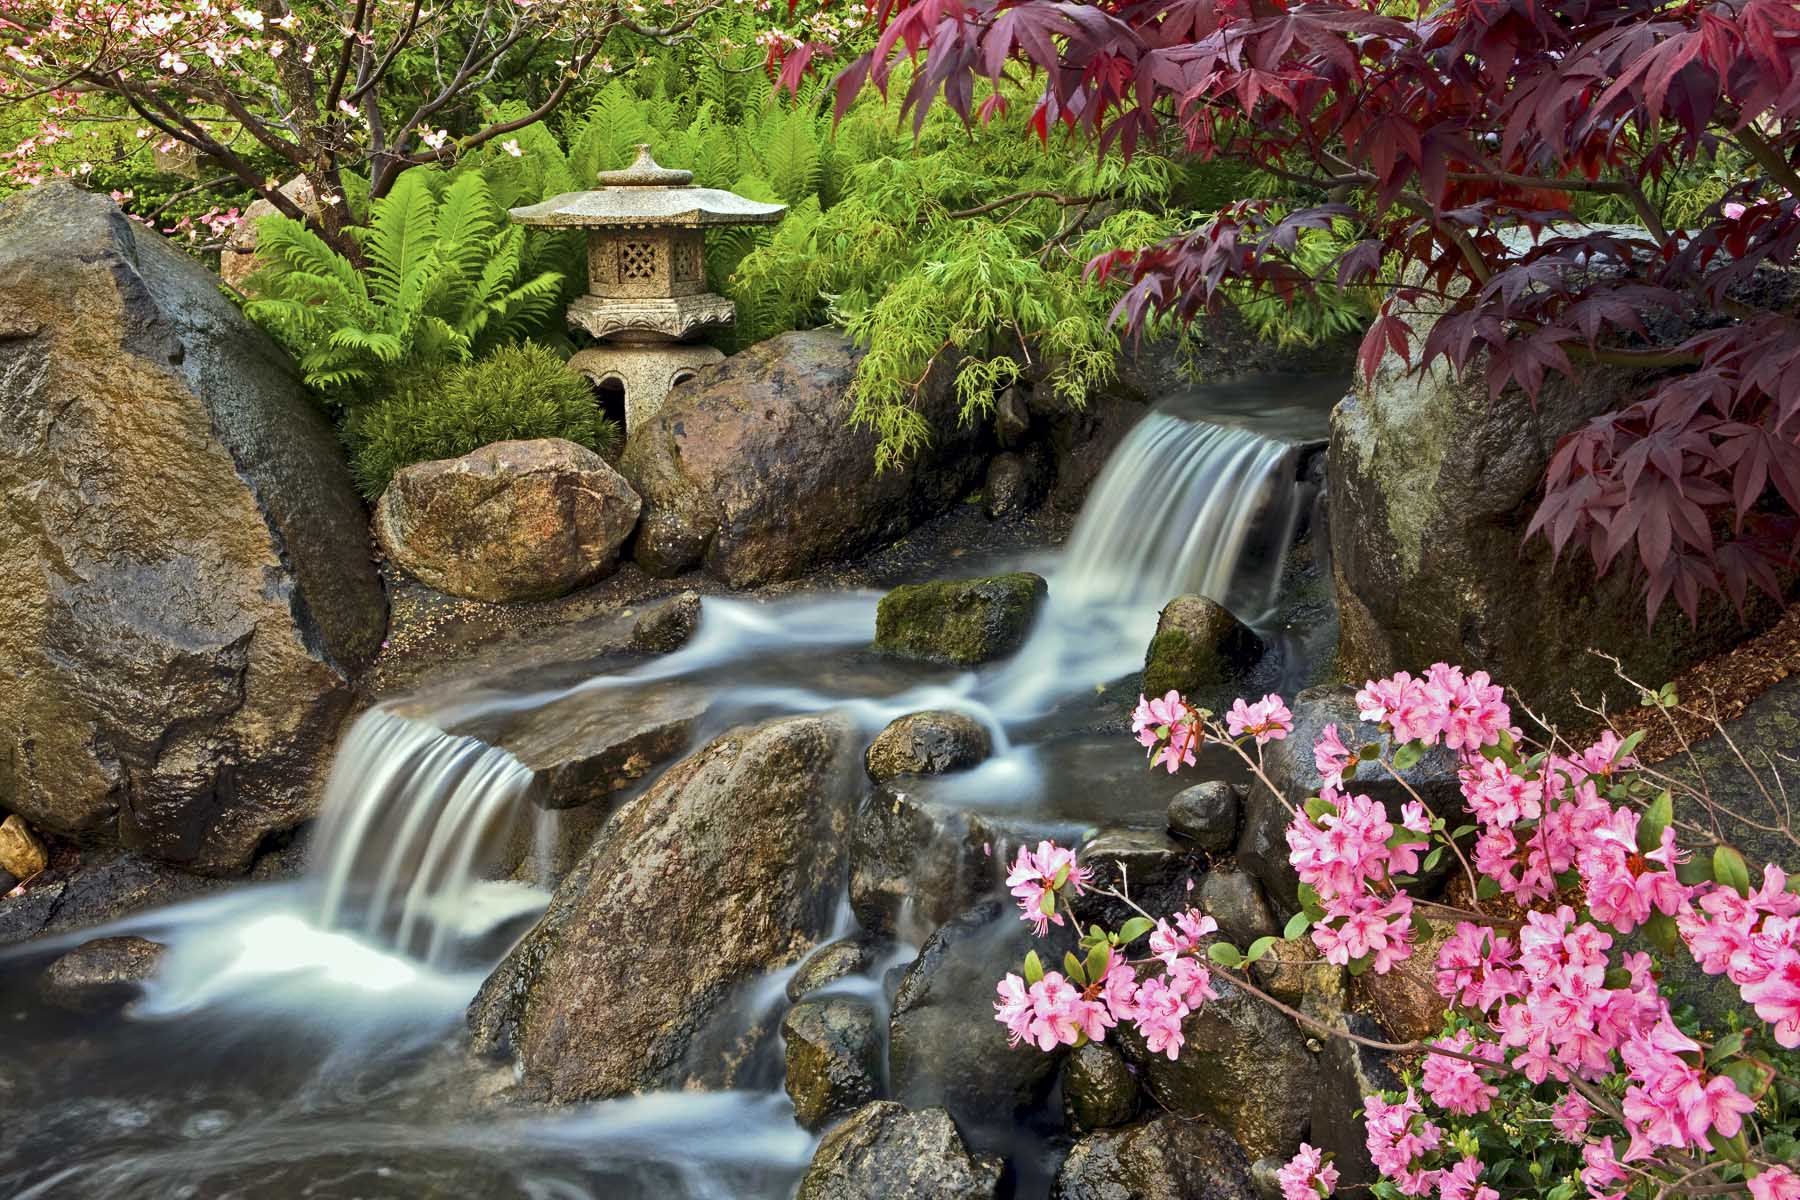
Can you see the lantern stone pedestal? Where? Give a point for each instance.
(647, 292)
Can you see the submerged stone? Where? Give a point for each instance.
(666, 625)
(833, 1058)
(914, 862)
(1198, 643)
(884, 1152)
(927, 743)
(960, 621)
(1166, 1158)
(728, 867)
(837, 960)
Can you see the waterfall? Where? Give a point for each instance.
(1188, 506)
(411, 817)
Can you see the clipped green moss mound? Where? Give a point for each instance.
(962, 621)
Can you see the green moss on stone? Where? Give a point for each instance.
(964, 622)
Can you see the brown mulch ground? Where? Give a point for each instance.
(1718, 689)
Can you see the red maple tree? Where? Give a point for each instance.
(1462, 148)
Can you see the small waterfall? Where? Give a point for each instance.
(411, 816)
(1188, 506)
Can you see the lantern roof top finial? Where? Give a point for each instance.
(644, 171)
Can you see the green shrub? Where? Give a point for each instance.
(516, 392)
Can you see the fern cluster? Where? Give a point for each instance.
(516, 392)
(447, 278)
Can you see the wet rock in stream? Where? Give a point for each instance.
(729, 866)
(944, 1046)
(927, 743)
(1159, 874)
(884, 1152)
(101, 975)
(833, 1058)
(1099, 1088)
(1207, 815)
(913, 862)
(1167, 1158)
(1232, 898)
(963, 622)
(1198, 643)
(834, 961)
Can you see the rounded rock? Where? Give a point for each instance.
(1207, 815)
(101, 975)
(884, 1152)
(1198, 643)
(1163, 1159)
(1099, 1089)
(927, 743)
(963, 622)
(525, 520)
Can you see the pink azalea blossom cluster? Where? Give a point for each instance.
(1349, 854)
(1307, 1176)
(1035, 877)
(1268, 720)
(1168, 730)
(1053, 1011)
(1775, 1183)
(1754, 941)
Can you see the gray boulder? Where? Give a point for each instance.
(927, 743)
(833, 1059)
(728, 867)
(1198, 644)
(191, 589)
(753, 470)
(884, 1152)
(1017, 481)
(964, 622)
(525, 520)
(1232, 898)
(1167, 1158)
(101, 975)
(1432, 486)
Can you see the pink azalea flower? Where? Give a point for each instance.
(1455, 1084)
(1034, 875)
(1775, 1183)
(1570, 1117)
(1331, 757)
(1307, 1176)
(1268, 720)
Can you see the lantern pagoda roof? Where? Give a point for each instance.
(645, 195)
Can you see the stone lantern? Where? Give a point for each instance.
(646, 275)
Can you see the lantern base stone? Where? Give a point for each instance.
(645, 372)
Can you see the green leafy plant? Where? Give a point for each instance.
(516, 392)
(447, 278)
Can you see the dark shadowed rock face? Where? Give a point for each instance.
(1432, 487)
(188, 584)
(944, 1046)
(1207, 815)
(884, 1152)
(524, 520)
(1099, 1089)
(752, 470)
(1163, 1159)
(1243, 1066)
(960, 621)
(104, 974)
(915, 861)
(728, 867)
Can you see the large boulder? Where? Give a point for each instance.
(730, 866)
(1167, 1158)
(1198, 644)
(511, 521)
(960, 621)
(1432, 486)
(188, 584)
(753, 469)
(884, 1152)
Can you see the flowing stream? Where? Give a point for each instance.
(301, 1039)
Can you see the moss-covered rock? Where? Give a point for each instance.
(960, 621)
(1198, 643)
(833, 1058)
